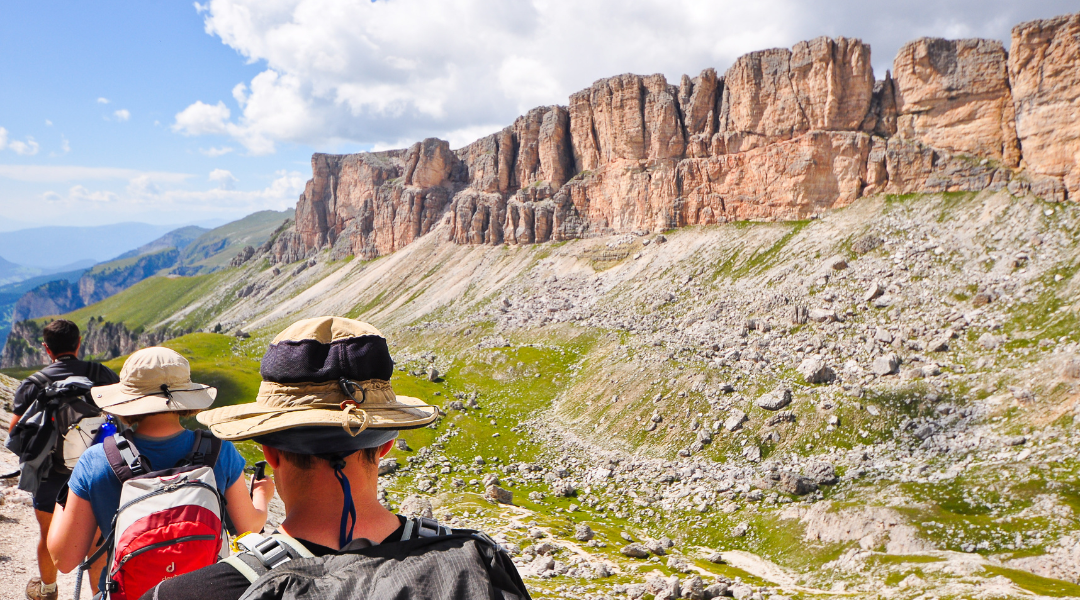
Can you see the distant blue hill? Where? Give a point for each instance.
(56, 247)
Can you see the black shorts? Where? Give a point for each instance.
(45, 498)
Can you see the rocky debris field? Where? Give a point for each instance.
(879, 402)
(865, 399)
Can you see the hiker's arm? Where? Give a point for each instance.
(71, 533)
(249, 512)
(14, 420)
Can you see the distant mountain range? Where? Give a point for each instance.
(188, 250)
(57, 247)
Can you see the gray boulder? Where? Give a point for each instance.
(499, 495)
(797, 485)
(416, 506)
(735, 420)
(886, 365)
(814, 370)
(775, 400)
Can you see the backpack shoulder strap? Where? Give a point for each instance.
(124, 457)
(204, 450)
(93, 372)
(262, 553)
(40, 379)
(423, 527)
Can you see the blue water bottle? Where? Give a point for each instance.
(107, 429)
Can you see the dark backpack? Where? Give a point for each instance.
(76, 418)
(53, 431)
(431, 562)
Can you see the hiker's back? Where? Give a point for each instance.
(440, 564)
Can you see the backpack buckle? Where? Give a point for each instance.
(270, 552)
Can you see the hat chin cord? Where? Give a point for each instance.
(348, 509)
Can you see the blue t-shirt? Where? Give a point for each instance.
(93, 479)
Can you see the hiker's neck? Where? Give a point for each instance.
(313, 503)
(160, 425)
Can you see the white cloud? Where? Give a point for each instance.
(280, 194)
(53, 173)
(103, 100)
(224, 179)
(48, 123)
(379, 72)
(27, 148)
(142, 186)
(122, 115)
(201, 118)
(216, 152)
(80, 196)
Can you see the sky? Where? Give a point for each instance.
(178, 113)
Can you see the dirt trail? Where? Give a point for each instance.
(19, 536)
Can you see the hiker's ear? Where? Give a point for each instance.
(385, 448)
(273, 458)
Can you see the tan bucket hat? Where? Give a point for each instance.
(325, 371)
(153, 380)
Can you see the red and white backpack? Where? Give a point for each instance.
(169, 522)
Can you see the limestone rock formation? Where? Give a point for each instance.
(954, 95)
(1044, 65)
(783, 134)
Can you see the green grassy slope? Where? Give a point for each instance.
(147, 302)
(215, 248)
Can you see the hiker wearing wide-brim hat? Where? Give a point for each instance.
(324, 372)
(154, 380)
(325, 392)
(325, 415)
(154, 391)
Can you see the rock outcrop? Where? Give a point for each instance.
(101, 340)
(1044, 66)
(783, 134)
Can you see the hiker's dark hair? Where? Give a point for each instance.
(61, 336)
(307, 461)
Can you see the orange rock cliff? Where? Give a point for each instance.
(783, 134)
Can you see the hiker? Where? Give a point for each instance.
(325, 415)
(61, 341)
(154, 392)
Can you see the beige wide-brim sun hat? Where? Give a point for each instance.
(153, 380)
(349, 366)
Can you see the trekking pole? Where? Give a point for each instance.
(78, 581)
(260, 473)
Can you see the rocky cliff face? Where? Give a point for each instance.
(783, 134)
(101, 340)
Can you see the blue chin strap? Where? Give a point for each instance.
(348, 509)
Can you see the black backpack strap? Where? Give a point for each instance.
(423, 527)
(40, 379)
(93, 373)
(204, 451)
(124, 457)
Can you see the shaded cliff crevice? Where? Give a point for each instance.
(782, 134)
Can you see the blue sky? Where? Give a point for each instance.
(173, 112)
(148, 60)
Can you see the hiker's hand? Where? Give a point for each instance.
(262, 492)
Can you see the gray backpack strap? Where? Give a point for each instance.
(262, 553)
(422, 527)
(40, 379)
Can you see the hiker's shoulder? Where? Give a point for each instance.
(93, 466)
